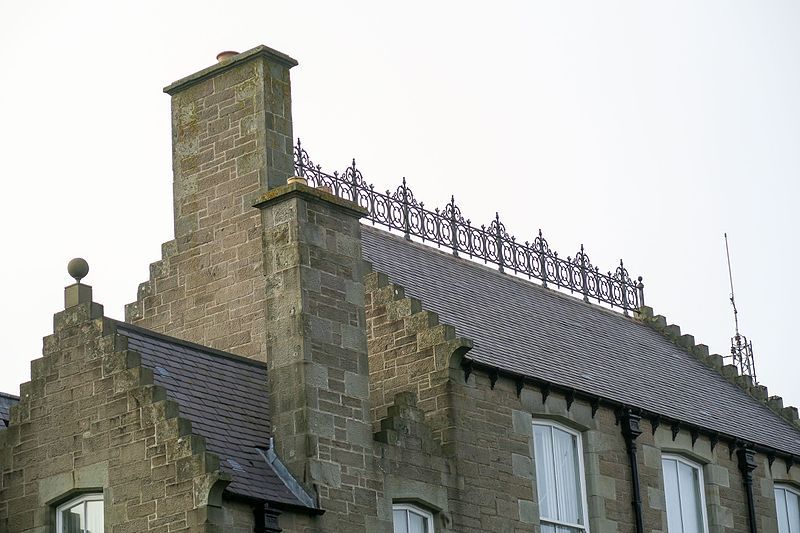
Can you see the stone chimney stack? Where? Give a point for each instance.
(231, 134)
(272, 270)
(232, 140)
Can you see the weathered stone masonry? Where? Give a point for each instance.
(481, 458)
(91, 419)
(232, 139)
(317, 352)
(482, 431)
(371, 400)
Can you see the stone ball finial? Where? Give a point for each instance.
(78, 268)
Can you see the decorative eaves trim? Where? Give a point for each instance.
(471, 366)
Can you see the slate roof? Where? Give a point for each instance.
(225, 397)
(521, 327)
(6, 401)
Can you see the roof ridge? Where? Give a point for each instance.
(189, 344)
(730, 372)
(9, 396)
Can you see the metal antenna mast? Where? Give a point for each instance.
(741, 348)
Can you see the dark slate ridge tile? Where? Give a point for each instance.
(6, 401)
(225, 397)
(521, 327)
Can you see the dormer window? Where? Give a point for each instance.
(81, 515)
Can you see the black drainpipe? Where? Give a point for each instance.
(631, 430)
(747, 463)
(266, 519)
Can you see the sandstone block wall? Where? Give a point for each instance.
(477, 453)
(91, 419)
(317, 354)
(414, 466)
(232, 139)
(237, 517)
(481, 428)
(369, 401)
(409, 351)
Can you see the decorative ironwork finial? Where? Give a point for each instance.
(741, 348)
(300, 160)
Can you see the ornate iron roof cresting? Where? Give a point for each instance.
(400, 211)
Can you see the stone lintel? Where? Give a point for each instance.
(259, 51)
(76, 294)
(298, 190)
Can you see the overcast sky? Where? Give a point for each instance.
(643, 130)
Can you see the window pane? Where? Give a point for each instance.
(690, 498)
(552, 528)
(672, 495)
(567, 484)
(545, 473)
(548, 528)
(780, 509)
(793, 510)
(400, 521)
(72, 519)
(417, 523)
(94, 517)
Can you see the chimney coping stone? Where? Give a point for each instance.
(222, 66)
(308, 193)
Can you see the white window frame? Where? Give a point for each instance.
(700, 480)
(786, 488)
(581, 474)
(416, 509)
(83, 498)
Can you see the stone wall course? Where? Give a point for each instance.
(232, 139)
(317, 356)
(91, 419)
(482, 431)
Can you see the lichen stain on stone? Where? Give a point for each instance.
(249, 162)
(248, 125)
(246, 90)
(186, 113)
(185, 188)
(187, 146)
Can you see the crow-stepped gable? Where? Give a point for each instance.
(289, 367)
